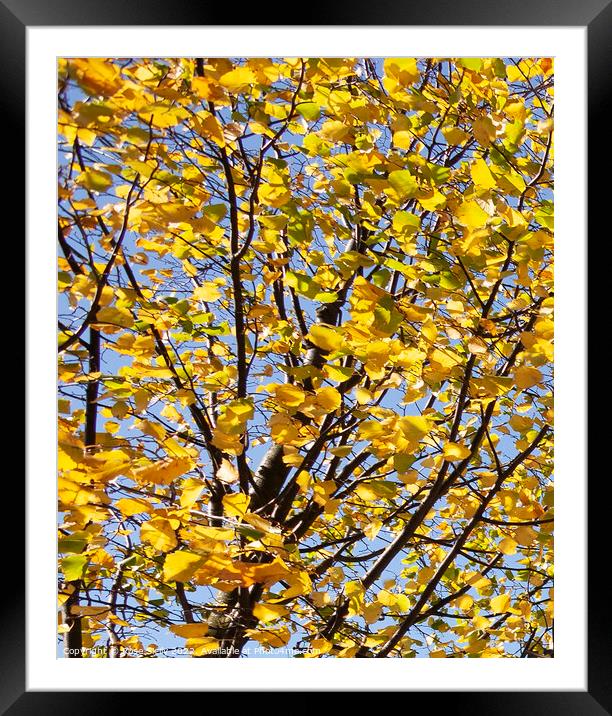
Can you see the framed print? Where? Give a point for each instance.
(314, 317)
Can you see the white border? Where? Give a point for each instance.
(567, 671)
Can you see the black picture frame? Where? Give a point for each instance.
(596, 15)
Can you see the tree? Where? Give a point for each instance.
(305, 348)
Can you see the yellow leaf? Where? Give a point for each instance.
(95, 180)
(163, 472)
(209, 126)
(525, 535)
(236, 505)
(228, 443)
(363, 396)
(470, 215)
(481, 174)
(444, 360)
(159, 533)
(465, 602)
(189, 269)
(318, 647)
(386, 598)
(354, 591)
(271, 639)
(97, 76)
(454, 135)
(479, 582)
(214, 533)
(340, 451)
(329, 399)
(114, 317)
(402, 139)
(500, 603)
(107, 465)
(207, 88)
(129, 506)
(227, 472)
(492, 385)
(432, 199)
(282, 429)
(238, 79)
(403, 602)
(275, 195)
(414, 427)
(337, 374)
(477, 346)
(163, 114)
(484, 130)
(202, 645)
(189, 630)
(425, 574)
(267, 613)
(366, 493)
(328, 339)
(372, 528)
(514, 74)
(404, 184)
(403, 70)
(191, 489)
(289, 395)
(507, 546)
(520, 423)
(170, 412)
(429, 331)
(180, 566)
(298, 584)
(336, 131)
(527, 376)
(208, 291)
(454, 452)
(273, 571)
(481, 622)
(260, 523)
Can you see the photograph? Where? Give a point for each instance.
(305, 332)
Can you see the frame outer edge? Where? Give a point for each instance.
(12, 118)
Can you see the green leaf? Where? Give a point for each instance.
(386, 318)
(397, 266)
(222, 329)
(95, 180)
(546, 214)
(302, 283)
(402, 462)
(471, 63)
(309, 110)
(143, 325)
(326, 296)
(438, 174)
(381, 278)
(404, 183)
(71, 545)
(383, 488)
(250, 532)
(515, 131)
(215, 212)
(449, 281)
(74, 567)
(299, 230)
(406, 223)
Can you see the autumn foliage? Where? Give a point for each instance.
(305, 357)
